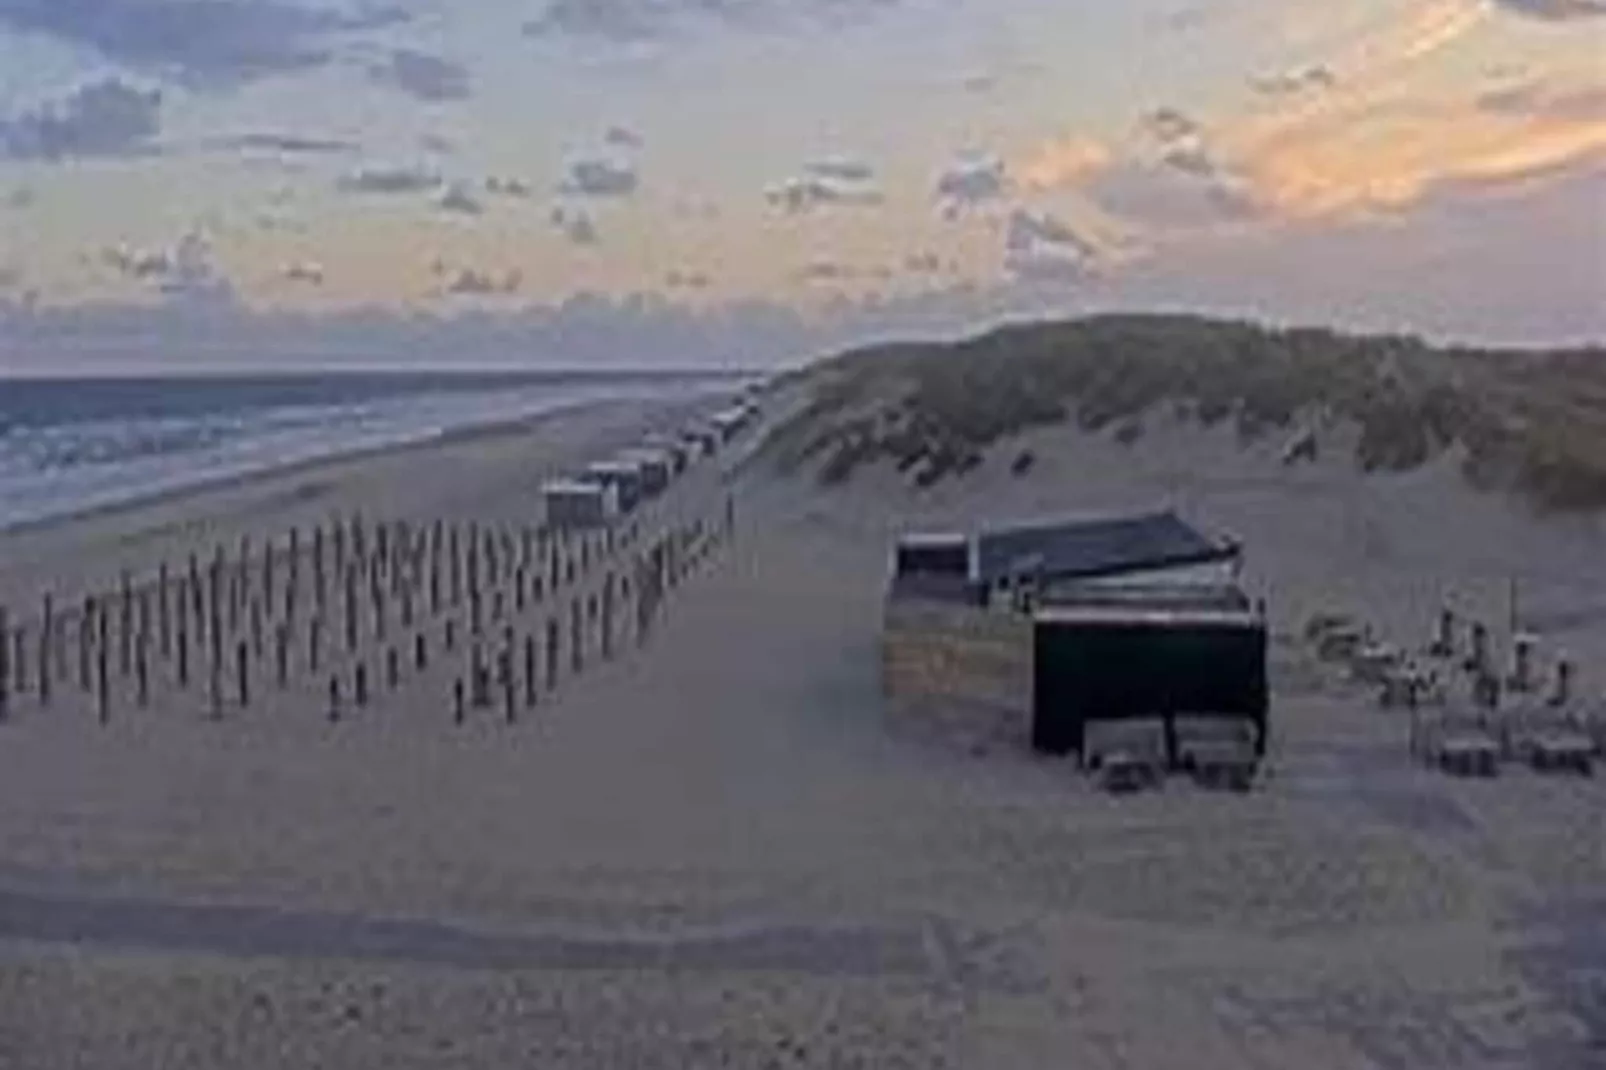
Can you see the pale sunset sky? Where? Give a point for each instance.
(261, 183)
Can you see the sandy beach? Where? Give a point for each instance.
(712, 849)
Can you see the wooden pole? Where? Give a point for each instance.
(19, 659)
(479, 694)
(242, 668)
(164, 620)
(420, 651)
(86, 627)
(125, 640)
(102, 684)
(334, 699)
(5, 664)
(351, 611)
(529, 670)
(268, 554)
(281, 636)
(392, 668)
(314, 642)
(458, 712)
(455, 562)
(142, 670)
(510, 708)
(183, 650)
(360, 685)
(576, 638)
(552, 642)
(195, 594)
(46, 633)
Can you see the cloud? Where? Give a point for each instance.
(457, 199)
(289, 144)
(1537, 100)
(678, 279)
(1164, 194)
(622, 137)
(308, 274)
(106, 118)
(598, 177)
(1168, 125)
(19, 198)
(1291, 83)
(1339, 162)
(184, 272)
(827, 271)
(1554, 10)
(390, 180)
(635, 21)
(970, 180)
(1041, 247)
(979, 83)
(423, 76)
(201, 43)
(1025, 230)
(474, 282)
(1192, 160)
(840, 169)
(812, 191)
(576, 225)
(1062, 163)
(508, 187)
(437, 144)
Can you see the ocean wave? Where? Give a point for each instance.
(99, 458)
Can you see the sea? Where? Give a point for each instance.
(71, 445)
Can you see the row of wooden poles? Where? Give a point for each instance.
(351, 607)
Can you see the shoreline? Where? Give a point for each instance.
(485, 470)
(242, 479)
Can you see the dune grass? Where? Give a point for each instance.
(1530, 422)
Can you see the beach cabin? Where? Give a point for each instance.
(579, 503)
(623, 476)
(671, 446)
(1147, 653)
(728, 423)
(655, 466)
(705, 440)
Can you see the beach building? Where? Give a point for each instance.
(579, 503)
(1171, 656)
(732, 421)
(672, 447)
(1033, 631)
(701, 441)
(655, 466)
(623, 476)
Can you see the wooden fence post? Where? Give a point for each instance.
(46, 633)
(242, 666)
(5, 664)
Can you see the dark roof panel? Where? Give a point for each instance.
(1086, 549)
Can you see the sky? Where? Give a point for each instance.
(264, 183)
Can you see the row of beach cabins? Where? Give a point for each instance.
(349, 612)
(605, 491)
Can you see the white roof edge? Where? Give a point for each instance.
(1144, 615)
